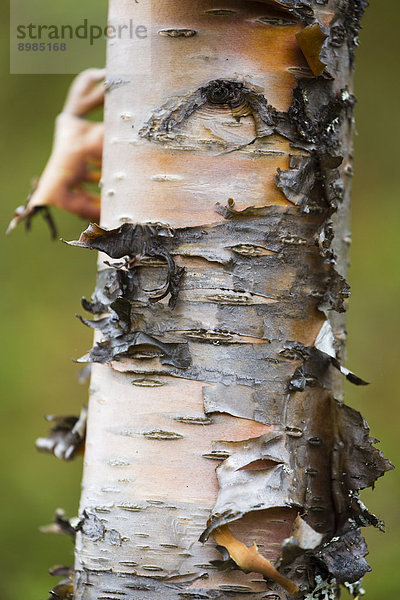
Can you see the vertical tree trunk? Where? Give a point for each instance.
(216, 417)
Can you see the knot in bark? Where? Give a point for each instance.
(221, 91)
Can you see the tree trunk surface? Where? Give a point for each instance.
(216, 418)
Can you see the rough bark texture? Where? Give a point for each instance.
(216, 394)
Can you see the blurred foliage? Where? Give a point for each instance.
(42, 282)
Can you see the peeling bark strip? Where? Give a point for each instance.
(64, 590)
(221, 459)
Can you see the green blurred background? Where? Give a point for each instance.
(43, 282)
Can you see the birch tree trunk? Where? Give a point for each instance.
(216, 418)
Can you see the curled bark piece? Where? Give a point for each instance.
(60, 571)
(249, 559)
(325, 341)
(66, 437)
(139, 345)
(358, 465)
(310, 40)
(364, 517)
(284, 467)
(243, 490)
(65, 589)
(117, 323)
(61, 525)
(315, 366)
(136, 242)
(75, 159)
(303, 536)
(112, 283)
(229, 211)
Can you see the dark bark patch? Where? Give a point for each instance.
(337, 292)
(361, 464)
(344, 558)
(317, 113)
(346, 25)
(91, 526)
(303, 183)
